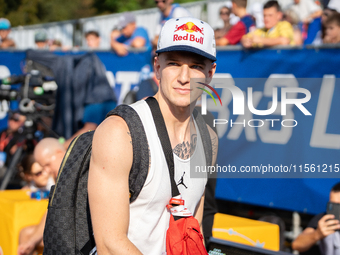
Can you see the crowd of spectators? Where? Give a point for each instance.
(302, 22)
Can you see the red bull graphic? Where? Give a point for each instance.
(189, 27)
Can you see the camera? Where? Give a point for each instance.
(34, 92)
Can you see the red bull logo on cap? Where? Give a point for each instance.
(189, 27)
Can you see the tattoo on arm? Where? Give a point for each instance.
(130, 136)
(214, 145)
(185, 150)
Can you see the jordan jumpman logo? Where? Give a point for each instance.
(181, 181)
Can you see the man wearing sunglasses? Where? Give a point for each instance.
(168, 11)
(323, 228)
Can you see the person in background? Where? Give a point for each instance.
(332, 34)
(320, 34)
(323, 228)
(92, 39)
(8, 137)
(290, 16)
(34, 174)
(307, 10)
(275, 32)
(245, 25)
(40, 39)
(168, 11)
(128, 35)
(225, 16)
(5, 29)
(49, 153)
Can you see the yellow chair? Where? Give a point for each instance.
(17, 210)
(245, 231)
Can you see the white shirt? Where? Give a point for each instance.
(305, 8)
(149, 217)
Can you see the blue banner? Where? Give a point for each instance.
(315, 139)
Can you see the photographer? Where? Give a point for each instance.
(323, 229)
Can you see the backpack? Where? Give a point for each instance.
(68, 228)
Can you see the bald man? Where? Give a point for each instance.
(49, 153)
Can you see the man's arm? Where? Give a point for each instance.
(326, 226)
(29, 245)
(268, 42)
(138, 42)
(120, 48)
(108, 187)
(233, 36)
(199, 213)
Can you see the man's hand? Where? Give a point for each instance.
(327, 225)
(257, 40)
(26, 248)
(247, 42)
(120, 48)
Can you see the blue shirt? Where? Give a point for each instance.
(139, 32)
(96, 113)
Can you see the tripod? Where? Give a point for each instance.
(25, 142)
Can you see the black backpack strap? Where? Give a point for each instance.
(205, 136)
(165, 141)
(140, 164)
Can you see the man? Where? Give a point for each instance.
(128, 35)
(186, 49)
(40, 39)
(92, 39)
(168, 10)
(5, 29)
(49, 153)
(275, 32)
(307, 10)
(244, 26)
(324, 228)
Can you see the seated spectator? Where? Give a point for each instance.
(323, 228)
(292, 18)
(168, 10)
(40, 39)
(129, 35)
(49, 154)
(34, 174)
(92, 39)
(244, 26)
(307, 10)
(275, 32)
(5, 29)
(332, 29)
(320, 34)
(225, 16)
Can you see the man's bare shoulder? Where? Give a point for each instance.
(112, 143)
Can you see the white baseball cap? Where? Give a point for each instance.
(187, 34)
